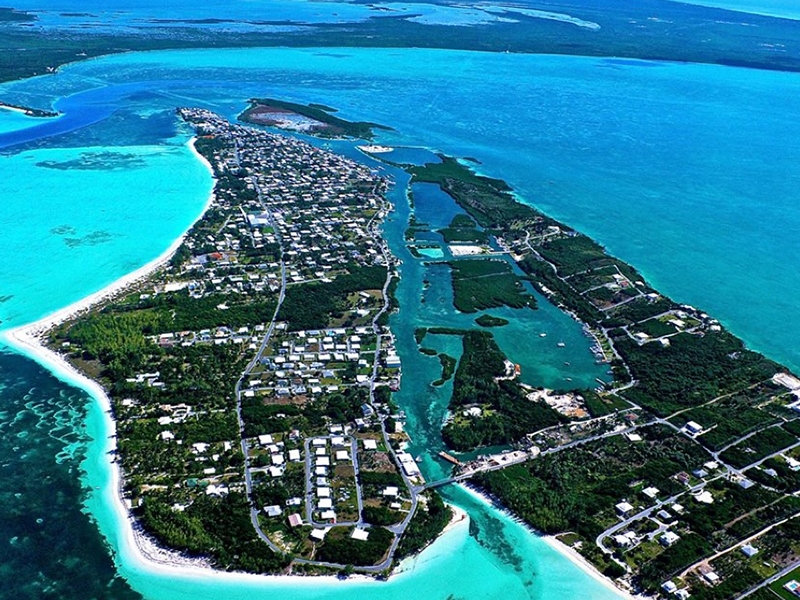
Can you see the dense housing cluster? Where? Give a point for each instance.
(251, 378)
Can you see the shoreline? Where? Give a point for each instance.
(135, 545)
(54, 319)
(573, 556)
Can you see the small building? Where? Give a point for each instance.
(294, 455)
(749, 550)
(360, 534)
(668, 538)
(342, 455)
(273, 511)
(319, 534)
(711, 578)
(693, 427)
(651, 492)
(325, 503)
(669, 587)
(391, 491)
(295, 520)
(370, 445)
(624, 508)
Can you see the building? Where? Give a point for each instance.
(668, 538)
(295, 520)
(623, 508)
(749, 550)
(360, 534)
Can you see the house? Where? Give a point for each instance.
(323, 492)
(664, 515)
(360, 534)
(319, 534)
(749, 550)
(273, 511)
(793, 587)
(342, 455)
(328, 515)
(294, 455)
(370, 445)
(295, 520)
(669, 587)
(391, 492)
(704, 497)
(693, 427)
(711, 578)
(668, 538)
(625, 540)
(623, 508)
(325, 503)
(651, 492)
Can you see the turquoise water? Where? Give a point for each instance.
(11, 120)
(686, 171)
(787, 9)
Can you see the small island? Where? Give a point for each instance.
(487, 320)
(311, 119)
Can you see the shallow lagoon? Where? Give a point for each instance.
(688, 174)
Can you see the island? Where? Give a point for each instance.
(312, 119)
(252, 378)
(679, 476)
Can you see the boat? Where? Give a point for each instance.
(561, 344)
(542, 335)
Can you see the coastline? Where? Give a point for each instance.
(113, 289)
(27, 339)
(139, 550)
(135, 545)
(574, 557)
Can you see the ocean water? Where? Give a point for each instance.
(11, 120)
(686, 171)
(786, 9)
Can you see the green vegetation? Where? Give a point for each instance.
(218, 528)
(479, 284)
(487, 200)
(448, 368)
(757, 446)
(692, 370)
(312, 305)
(474, 236)
(577, 490)
(506, 414)
(426, 524)
(330, 126)
(491, 321)
(340, 548)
